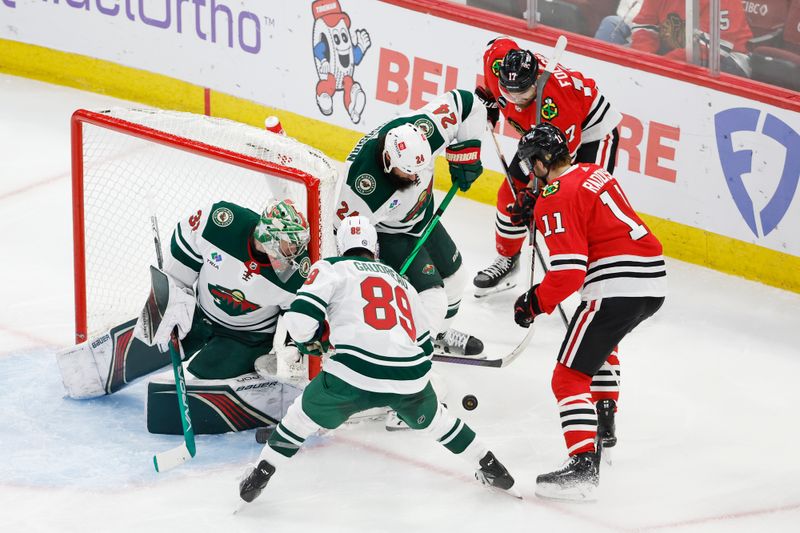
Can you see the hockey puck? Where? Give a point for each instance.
(263, 434)
(469, 402)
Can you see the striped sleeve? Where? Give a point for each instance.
(184, 260)
(310, 305)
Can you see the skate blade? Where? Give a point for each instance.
(487, 291)
(578, 493)
(607, 456)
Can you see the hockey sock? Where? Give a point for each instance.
(289, 435)
(452, 433)
(434, 300)
(577, 412)
(605, 383)
(508, 237)
(453, 288)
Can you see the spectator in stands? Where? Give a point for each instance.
(660, 28)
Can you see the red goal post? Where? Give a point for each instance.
(128, 164)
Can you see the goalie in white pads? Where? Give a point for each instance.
(381, 358)
(231, 273)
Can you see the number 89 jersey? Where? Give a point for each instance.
(378, 325)
(597, 242)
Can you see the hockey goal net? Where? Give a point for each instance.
(129, 164)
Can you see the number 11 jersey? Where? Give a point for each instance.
(597, 242)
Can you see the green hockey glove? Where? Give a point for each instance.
(465, 163)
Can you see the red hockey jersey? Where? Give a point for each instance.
(660, 27)
(597, 242)
(570, 100)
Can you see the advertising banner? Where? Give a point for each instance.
(688, 154)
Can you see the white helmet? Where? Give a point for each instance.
(357, 232)
(407, 149)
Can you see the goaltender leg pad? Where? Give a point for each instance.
(107, 363)
(218, 406)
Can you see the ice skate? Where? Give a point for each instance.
(493, 474)
(501, 275)
(393, 422)
(454, 342)
(606, 428)
(576, 481)
(251, 486)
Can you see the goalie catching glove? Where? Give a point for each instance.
(319, 343)
(169, 306)
(465, 163)
(526, 308)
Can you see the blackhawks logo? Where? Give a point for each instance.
(550, 189)
(549, 109)
(232, 302)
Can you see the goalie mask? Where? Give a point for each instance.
(283, 233)
(357, 232)
(406, 149)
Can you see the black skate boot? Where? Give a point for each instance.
(456, 342)
(577, 480)
(605, 423)
(493, 474)
(251, 486)
(499, 276)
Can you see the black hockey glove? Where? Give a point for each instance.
(522, 210)
(488, 101)
(526, 308)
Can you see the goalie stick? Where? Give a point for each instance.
(176, 456)
(506, 360)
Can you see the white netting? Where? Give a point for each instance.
(127, 178)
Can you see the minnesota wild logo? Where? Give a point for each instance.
(422, 202)
(232, 302)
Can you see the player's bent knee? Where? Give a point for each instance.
(568, 381)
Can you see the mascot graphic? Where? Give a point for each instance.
(336, 53)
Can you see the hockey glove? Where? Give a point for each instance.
(319, 343)
(465, 163)
(169, 306)
(522, 210)
(488, 101)
(526, 308)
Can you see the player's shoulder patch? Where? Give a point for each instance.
(549, 108)
(365, 184)
(305, 267)
(222, 217)
(426, 126)
(550, 189)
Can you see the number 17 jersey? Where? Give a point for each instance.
(597, 242)
(378, 327)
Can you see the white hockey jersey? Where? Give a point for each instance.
(455, 116)
(211, 251)
(378, 327)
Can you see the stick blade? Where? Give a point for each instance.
(171, 458)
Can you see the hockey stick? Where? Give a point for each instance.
(176, 456)
(551, 65)
(429, 228)
(494, 363)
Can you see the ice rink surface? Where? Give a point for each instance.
(708, 424)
